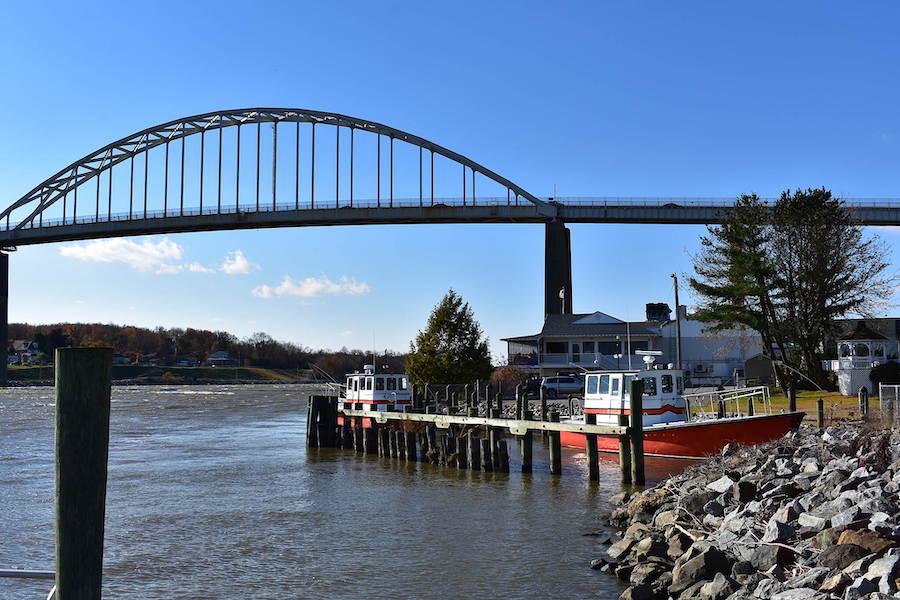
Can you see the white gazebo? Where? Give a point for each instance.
(858, 351)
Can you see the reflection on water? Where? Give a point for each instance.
(212, 494)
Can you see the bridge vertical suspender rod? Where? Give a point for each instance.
(146, 170)
(237, 173)
(420, 176)
(108, 195)
(74, 203)
(391, 178)
(219, 176)
(64, 215)
(312, 170)
(473, 187)
(274, 163)
(165, 185)
(352, 131)
(378, 173)
(202, 165)
(181, 179)
(258, 134)
(99, 172)
(297, 168)
(507, 196)
(432, 177)
(464, 184)
(130, 191)
(337, 166)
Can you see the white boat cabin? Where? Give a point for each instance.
(607, 394)
(376, 391)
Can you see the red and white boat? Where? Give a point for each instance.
(374, 392)
(676, 425)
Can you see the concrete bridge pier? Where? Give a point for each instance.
(4, 312)
(557, 268)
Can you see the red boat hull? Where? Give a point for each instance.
(699, 439)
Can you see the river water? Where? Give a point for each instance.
(213, 494)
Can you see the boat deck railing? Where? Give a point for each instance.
(736, 402)
(31, 574)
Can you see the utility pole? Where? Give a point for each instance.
(677, 325)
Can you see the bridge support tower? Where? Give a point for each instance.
(4, 313)
(557, 269)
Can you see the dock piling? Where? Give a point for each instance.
(624, 451)
(820, 413)
(590, 443)
(555, 448)
(83, 378)
(792, 399)
(637, 432)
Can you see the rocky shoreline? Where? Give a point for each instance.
(810, 516)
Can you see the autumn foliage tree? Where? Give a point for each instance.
(450, 349)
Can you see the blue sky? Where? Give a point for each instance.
(596, 98)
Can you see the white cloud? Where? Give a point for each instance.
(312, 287)
(160, 257)
(237, 264)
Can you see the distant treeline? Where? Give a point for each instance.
(168, 346)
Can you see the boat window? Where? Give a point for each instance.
(356, 384)
(349, 383)
(649, 386)
(379, 383)
(615, 386)
(368, 383)
(665, 382)
(592, 384)
(628, 380)
(679, 384)
(604, 384)
(392, 383)
(404, 384)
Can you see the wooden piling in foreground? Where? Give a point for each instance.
(462, 456)
(519, 407)
(487, 456)
(555, 448)
(543, 404)
(863, 402)
(503, 457)
(400, 444)
(83, 377)
(624, 451)
(370, 440)
(721, 414)
(820, 413)
(792, 399)
(590, 445)
(526, 446)
(750, 406)
(637, 432)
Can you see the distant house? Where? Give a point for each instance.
(221, 359)
(120, 359)
(601, 341)
(187, 361)
(25, 351)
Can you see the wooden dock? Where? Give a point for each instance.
(465, 441)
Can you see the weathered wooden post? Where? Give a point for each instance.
(466, 397)
(792, 399)
(447, 398)
(624, 451)
(487, 455)
(750, 406)
(411, 453)
(493, 438)
(721, 414)
(503, 460)
(474, 451)
(863, 402)
(526, 445)
(590, 443)
(543, 404)
(820, 413)
(519, 407)
(83, 377)
(571, 407)
(312, 419)
(555, 448)
(637, 432)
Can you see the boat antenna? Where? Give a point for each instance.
(677, 324)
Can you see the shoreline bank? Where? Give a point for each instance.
(809, 516)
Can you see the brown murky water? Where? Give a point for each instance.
(212, 494)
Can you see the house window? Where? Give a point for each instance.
(860, 349)
(878, 350)
(555, 347)
(845, 350)
(666, 384)
(379, 383)
(608, 348)
(592, 384)
(604, 384)
(588, 347)
(391, 383)
(649, 386)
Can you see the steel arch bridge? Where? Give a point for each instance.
(137, 185)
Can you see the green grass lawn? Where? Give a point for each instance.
(173, 374)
